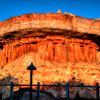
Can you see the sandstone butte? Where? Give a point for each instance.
(63, 47)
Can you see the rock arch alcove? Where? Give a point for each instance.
(63, 47)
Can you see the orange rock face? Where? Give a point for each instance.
(50, 20)
(47, 34)
(52, 48)
(62, 47)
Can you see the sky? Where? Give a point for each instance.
(83, 8)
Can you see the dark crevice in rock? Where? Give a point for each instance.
(1, 47)
(18, 45)
(34, 42)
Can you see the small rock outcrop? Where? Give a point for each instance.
(59, 11)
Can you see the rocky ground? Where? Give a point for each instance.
(45, 95)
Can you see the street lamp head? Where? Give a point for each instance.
(31, 67)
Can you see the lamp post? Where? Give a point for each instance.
(31, 67)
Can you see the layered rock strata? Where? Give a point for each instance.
(52, 48)
(50, 21)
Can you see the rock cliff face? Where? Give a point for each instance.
(53, 48)
(64, 45)
(50, 21)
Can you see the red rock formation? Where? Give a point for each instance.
(63, 45)
(40, 33)
(51, 48)
(50, 20)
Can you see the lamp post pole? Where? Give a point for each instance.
(31, 84)
(31, 67)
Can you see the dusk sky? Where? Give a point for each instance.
(83, 8)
